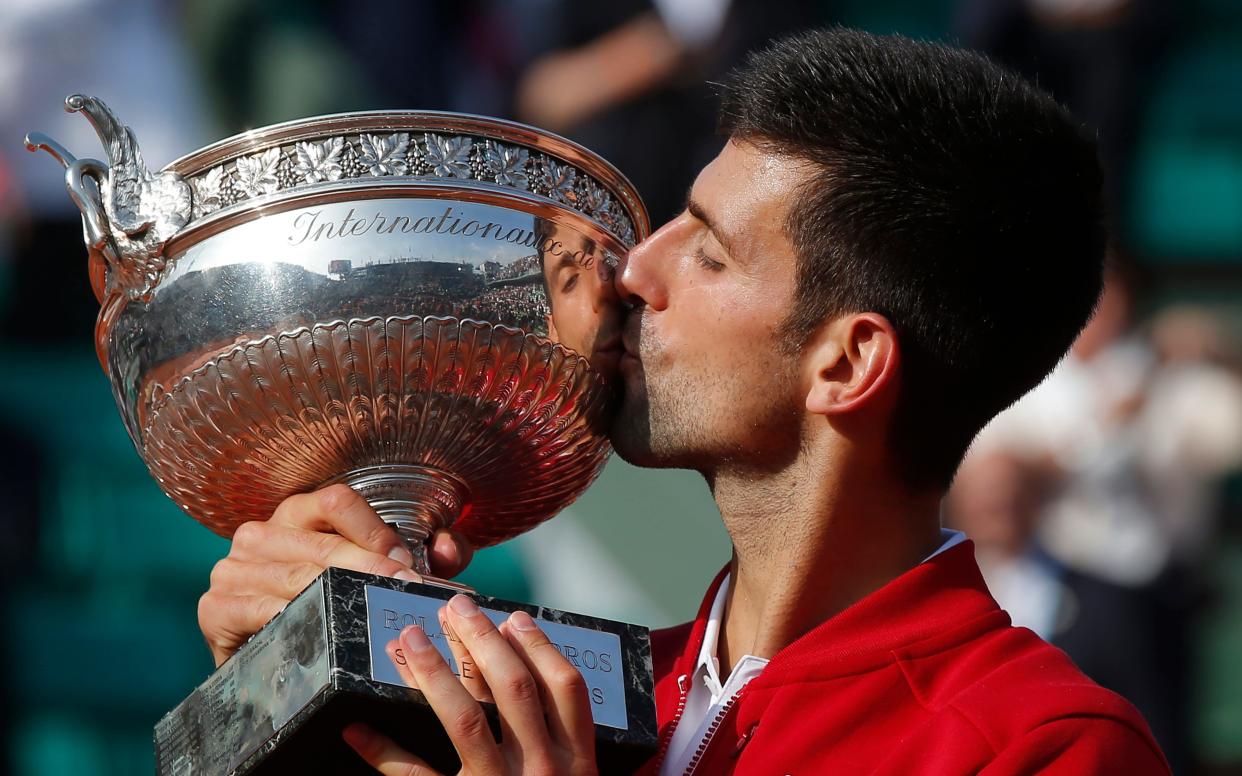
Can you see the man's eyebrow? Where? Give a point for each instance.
(695, 209)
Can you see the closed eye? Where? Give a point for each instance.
(707, 262)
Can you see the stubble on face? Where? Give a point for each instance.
(712, 384)
(672, 410)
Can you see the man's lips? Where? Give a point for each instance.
(631, 349)
(629, 341)
(612, 345)
(630, 359)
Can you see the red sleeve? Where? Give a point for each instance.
(1080, 746)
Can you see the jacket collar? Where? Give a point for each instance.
(941, 602)
(937, 604)
(689, 657)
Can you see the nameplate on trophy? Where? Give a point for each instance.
(596, 654)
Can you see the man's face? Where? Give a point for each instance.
(585, 312)
(708, 378)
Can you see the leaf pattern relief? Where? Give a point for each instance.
(384, 155)
(256, 174)
(507, 164)
(320, 161)
(209, 191)
(559, 179)
(449, 157)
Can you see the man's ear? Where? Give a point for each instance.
(853, 364)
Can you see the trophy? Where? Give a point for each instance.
(417, 304)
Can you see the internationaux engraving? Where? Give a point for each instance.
(312, 226)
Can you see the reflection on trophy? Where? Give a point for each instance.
(416, 304)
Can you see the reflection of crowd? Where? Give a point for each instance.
(524, 306)
(193, 311)
(526, 265)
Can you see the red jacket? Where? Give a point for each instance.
(924, 676)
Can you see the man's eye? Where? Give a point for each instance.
(570, 283)
(707, 263)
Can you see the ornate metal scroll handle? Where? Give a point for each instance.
(128, 214)
(95, 232)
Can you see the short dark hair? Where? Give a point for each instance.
(949, 195)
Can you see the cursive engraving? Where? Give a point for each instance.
(311, 226)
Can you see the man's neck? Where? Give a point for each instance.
(807, 546)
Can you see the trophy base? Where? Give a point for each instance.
(279, 704)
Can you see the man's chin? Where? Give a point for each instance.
(632, 441)
(631, 436)
(636, 456)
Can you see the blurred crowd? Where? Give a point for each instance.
(1103, 505)
(1095, 502)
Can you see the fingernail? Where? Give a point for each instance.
(414, 639)
(402, 555)
(463, 605)
(408, 576)
(522, 621)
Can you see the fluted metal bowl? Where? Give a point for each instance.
(418, 304)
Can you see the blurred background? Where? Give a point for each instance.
(1106, 506)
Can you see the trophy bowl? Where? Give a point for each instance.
(417, 304)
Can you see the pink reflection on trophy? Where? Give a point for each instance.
(585, 313)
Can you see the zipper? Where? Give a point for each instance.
(744, 740)
(683, 687)
(701, 750)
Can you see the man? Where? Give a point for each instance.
(583, 312)
(898, 240)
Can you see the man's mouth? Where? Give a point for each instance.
(612, 346)
(630, 360)
(630, 333)
(629, 347)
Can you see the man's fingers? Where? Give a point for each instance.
(461, 715)
(382, 754)
(469, 674)
(339, 509)
(450, 553)
(283, 580)
(256, 543)
(228, 620)
(510, 681)
(562, 685)
(397, 656)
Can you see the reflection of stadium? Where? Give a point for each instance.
(246, 300)
(521, 271)
(447, 273)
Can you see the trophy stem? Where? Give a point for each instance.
(415, 500)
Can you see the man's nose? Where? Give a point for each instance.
(642, 272)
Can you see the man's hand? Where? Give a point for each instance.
(271, 562)
(545, 713)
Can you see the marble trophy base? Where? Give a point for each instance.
(278, 706)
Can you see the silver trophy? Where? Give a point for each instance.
(417, 304)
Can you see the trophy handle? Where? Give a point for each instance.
(416, 501)
(100, 249)
(128, 212)
(102, 259)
